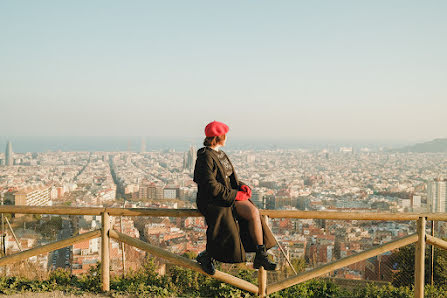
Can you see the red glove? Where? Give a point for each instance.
(242, 196)
(246, 189)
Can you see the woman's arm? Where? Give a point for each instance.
(205, 177)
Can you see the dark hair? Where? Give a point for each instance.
(213, 141)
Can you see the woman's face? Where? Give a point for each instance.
(222, 143)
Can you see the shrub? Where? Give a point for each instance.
(183, 282)
(373, 291)
(312, 289)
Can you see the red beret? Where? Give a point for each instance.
(216, 128)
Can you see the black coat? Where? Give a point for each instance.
(228, 237)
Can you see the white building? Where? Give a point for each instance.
(437, 195)
(170, 193)
(32, 196)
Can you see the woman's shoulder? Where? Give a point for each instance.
(204, 152)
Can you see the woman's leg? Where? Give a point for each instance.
(248, 211)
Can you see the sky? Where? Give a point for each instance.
(358, 70)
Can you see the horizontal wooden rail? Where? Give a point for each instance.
(436, 241)
(336, 215)
(153, 212)
(99, 210)
(51, 210)
(184, 262)
(304, 276)
(388, 216)
(48, 247)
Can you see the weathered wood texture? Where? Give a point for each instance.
(436, 241)
(352, 215)
(316, 272)
(48, 247)
(105, 252)
(195, 213)
(184, 262)
(262, 282)
(51, 210)
(419, 270)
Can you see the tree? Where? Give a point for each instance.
(51, 227)
(403, 261)
(298, 263)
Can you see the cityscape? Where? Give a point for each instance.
(333, 114)
(341, 179)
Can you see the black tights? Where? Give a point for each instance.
(248, 211)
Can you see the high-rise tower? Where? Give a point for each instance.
(143, 145)
(9, 160)
(437, 195)
(189, 159)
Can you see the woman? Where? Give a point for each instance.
(234, 223)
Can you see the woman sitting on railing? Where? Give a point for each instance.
(234, 223)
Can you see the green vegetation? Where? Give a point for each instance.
(51, 227)
(404, 260)
(313, 289)
(298, 263)
(180, 282)
(48, 227)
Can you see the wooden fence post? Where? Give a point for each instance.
(262, 282)
(262, 273)
(105, 253)
(419, 270)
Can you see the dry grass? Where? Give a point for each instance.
(28, 270)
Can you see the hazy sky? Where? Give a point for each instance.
(301, 69)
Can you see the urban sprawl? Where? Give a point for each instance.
(342, 180)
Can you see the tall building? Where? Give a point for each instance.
(9, 160)
(189, 159)
(143, 145)
(437, 195)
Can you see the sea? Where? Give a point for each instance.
(23, 144)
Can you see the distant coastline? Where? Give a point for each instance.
(22, 144)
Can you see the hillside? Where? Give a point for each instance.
(437, 145)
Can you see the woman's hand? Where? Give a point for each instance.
(242, 196)
(246, 189)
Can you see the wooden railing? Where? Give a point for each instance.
(263, 288)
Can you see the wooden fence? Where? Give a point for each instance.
(263, 288)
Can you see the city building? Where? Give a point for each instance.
(31, 196)
(171, 192)
(189, 159)
(9, 160)
(437, 194)
(143, 145)
(258, 198)
(86, 254)
(151, 191)
(270, 202)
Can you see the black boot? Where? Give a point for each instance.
(261, 259)
(206, 262)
